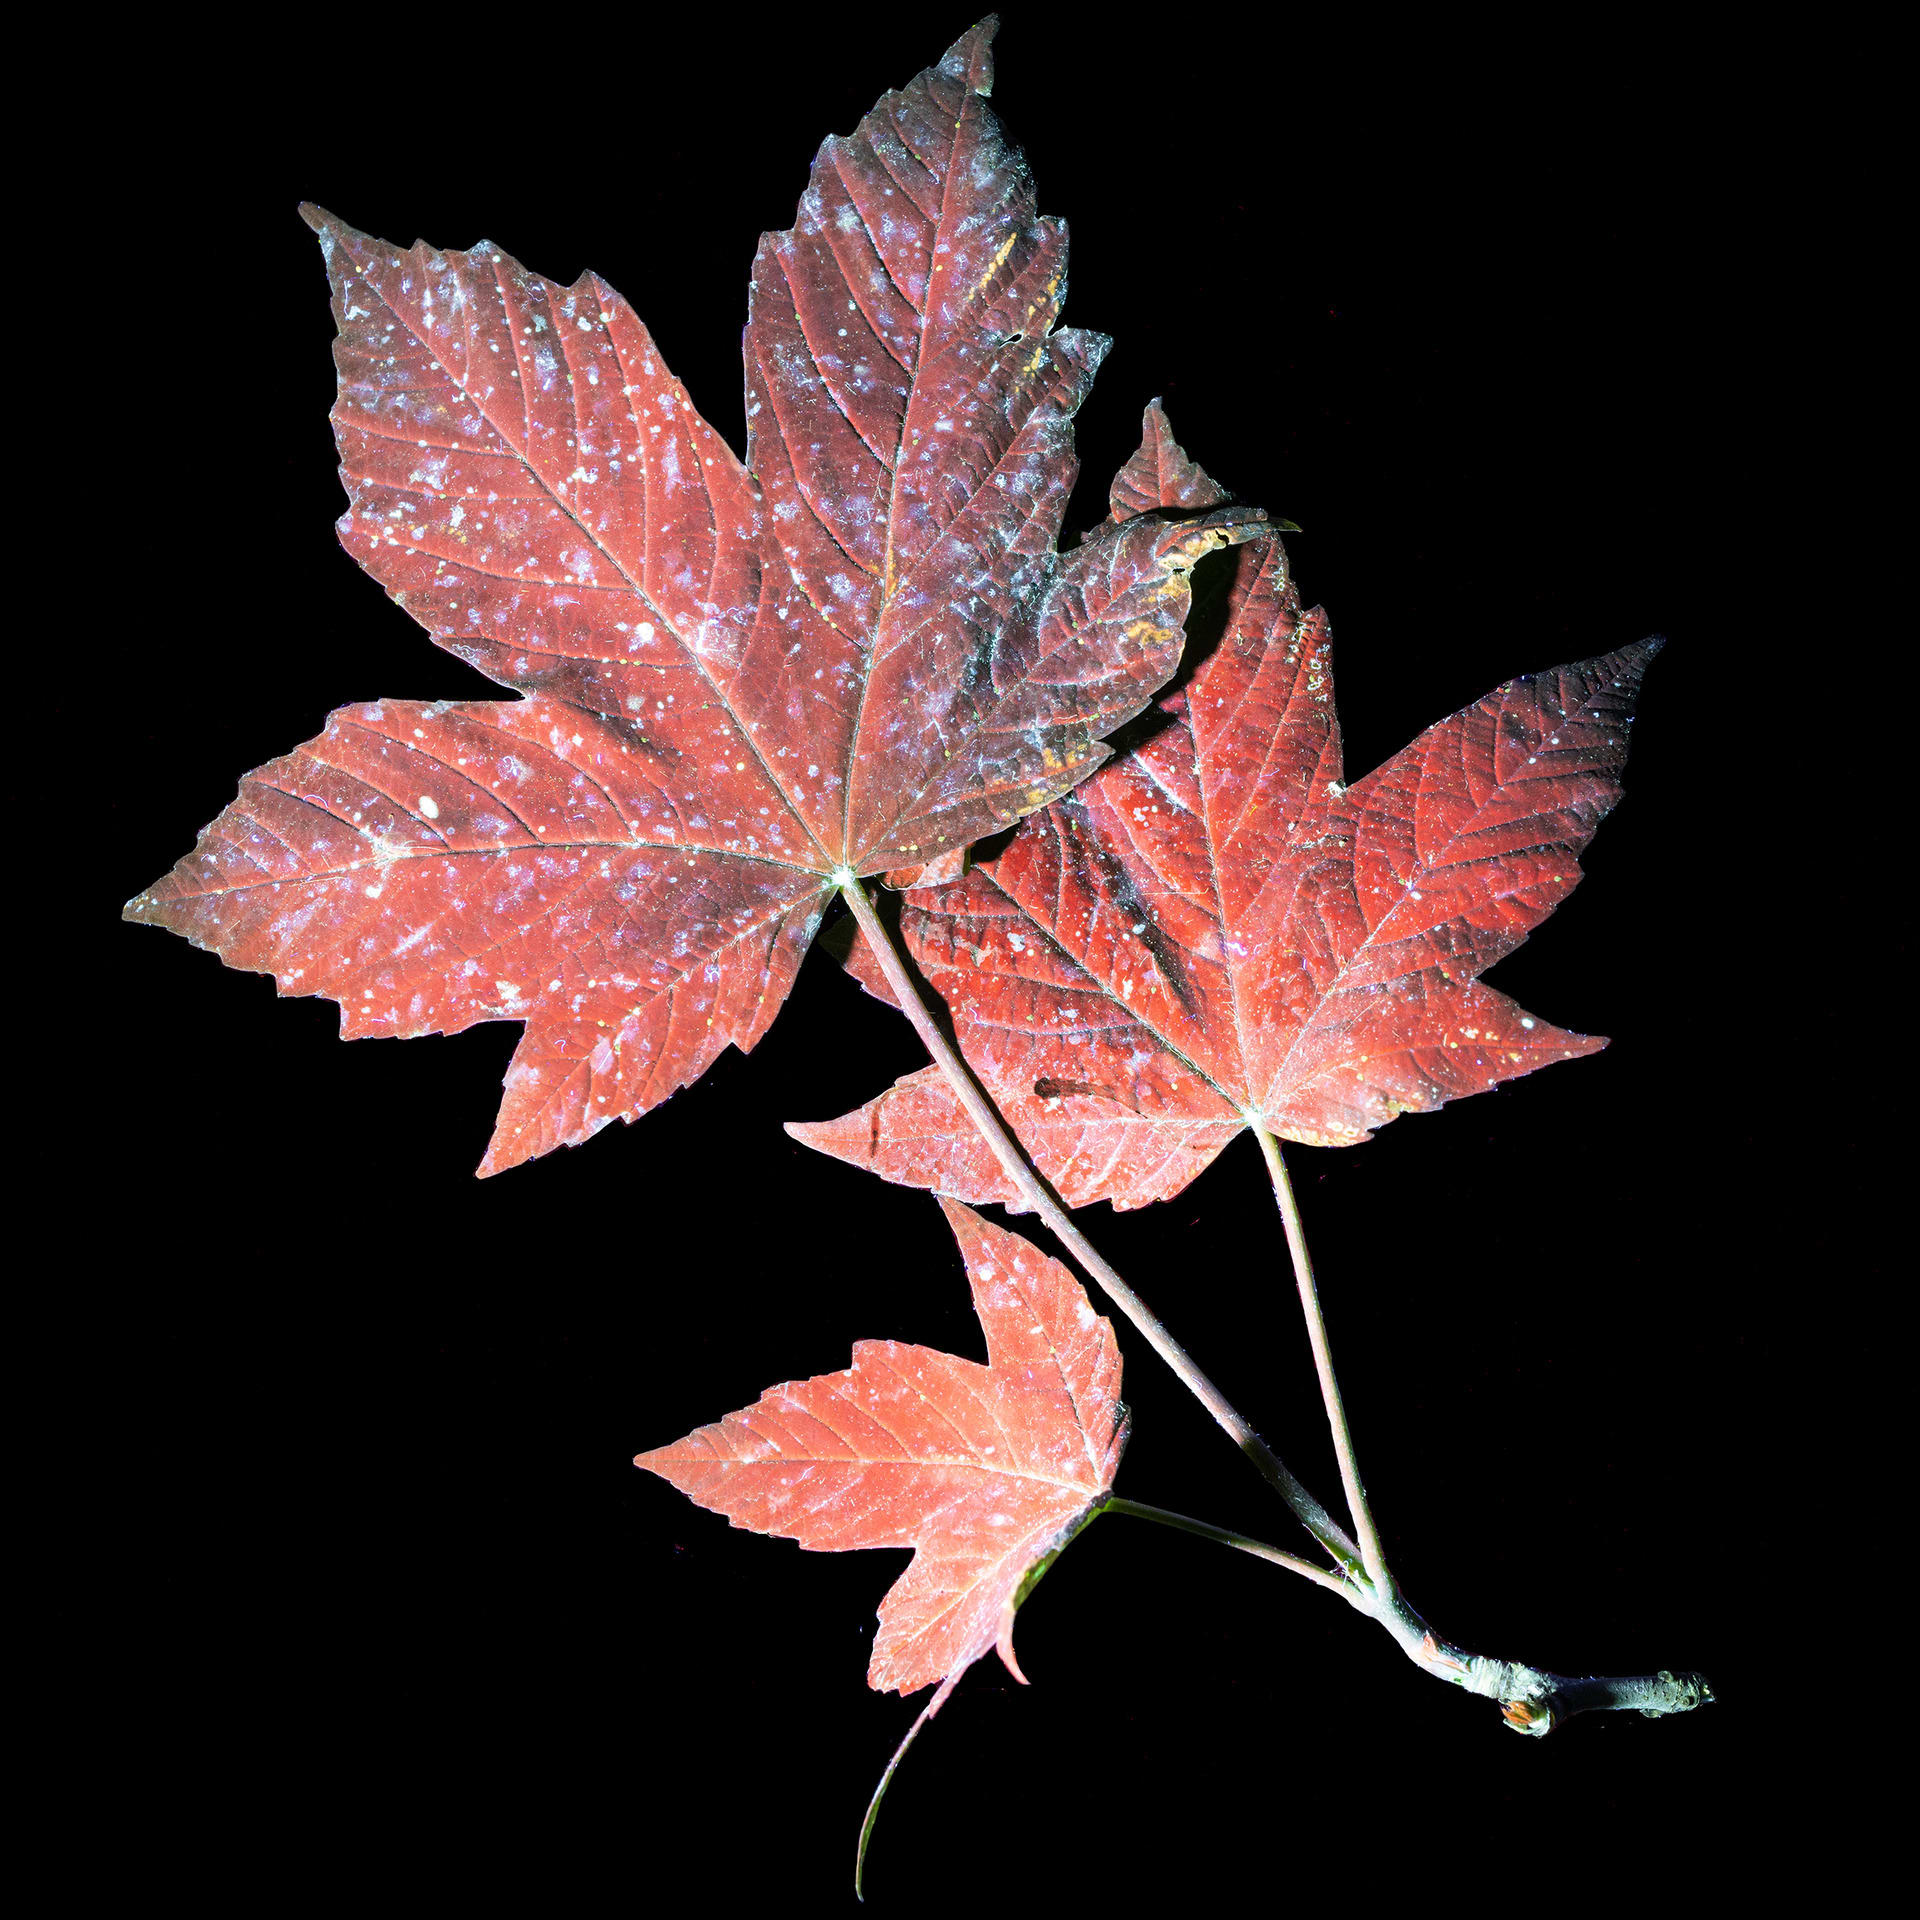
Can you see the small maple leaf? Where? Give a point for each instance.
(985, 1472)
(737, 684)
(1217, 927)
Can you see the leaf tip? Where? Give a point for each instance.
(970, 58)
(1004, 1647)
(1640, 656)
(1630, 662)
(966, 1224)
(826, 1136)
(329, 226)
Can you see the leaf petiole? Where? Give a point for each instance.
(1163, 1516)
(1372, 1553)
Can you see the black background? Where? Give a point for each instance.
(389, 1606)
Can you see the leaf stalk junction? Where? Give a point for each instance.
(1531, 1699)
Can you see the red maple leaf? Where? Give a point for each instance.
(985, 1472)
(1217, 925)
(735, 685)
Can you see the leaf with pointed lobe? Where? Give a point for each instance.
(856, 652)
(983, 1471)
(1216, 925)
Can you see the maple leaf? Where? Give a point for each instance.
(1216, 926)
(985, 1472)
(736, 685)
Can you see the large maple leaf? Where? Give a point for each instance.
(1216, 927)
(736, 684)
(984, 1471)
